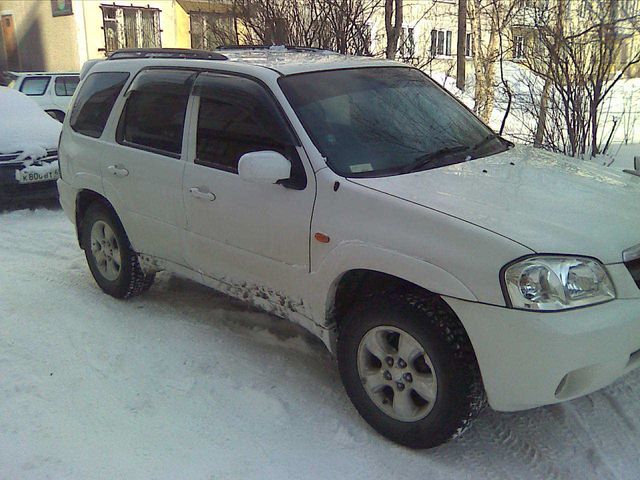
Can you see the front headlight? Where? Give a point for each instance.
(556, 283)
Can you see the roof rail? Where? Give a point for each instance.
(184, 53)
(274, 48)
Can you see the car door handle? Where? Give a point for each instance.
(117, 171)
(196, 192)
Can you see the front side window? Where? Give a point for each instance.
(238, 116)
(94, 102)
(386, 121)
(130, 27)
(153, 117)
(65, 86)
(34, 86)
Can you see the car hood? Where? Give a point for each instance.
(547, 202)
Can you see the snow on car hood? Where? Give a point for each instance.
(25, 127)
(547, 202)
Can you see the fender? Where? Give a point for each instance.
(353, 255)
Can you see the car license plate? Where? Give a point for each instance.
(26, 176)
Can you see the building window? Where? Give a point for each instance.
(518, 47)
(407, 42)
(441, 43)
(276, 31)
(130, 27)
(468, 46)
(212, 30)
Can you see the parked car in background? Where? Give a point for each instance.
(52, 91)
(28, 149)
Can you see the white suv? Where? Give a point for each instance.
(355, 197)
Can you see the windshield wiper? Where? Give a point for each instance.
(484, 141)
(489, 138)
(424, 160)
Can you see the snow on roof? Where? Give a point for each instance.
(24, 126)
(290, 62)
(283, 60)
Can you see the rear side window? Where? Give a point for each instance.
(237, 116)
(65, 86)
(34, 86)
(94, 102)
(153, 118)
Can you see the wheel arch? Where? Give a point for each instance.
(84, 199)
(58, 114)
(354, 262)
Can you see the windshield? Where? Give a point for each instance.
(386, 121)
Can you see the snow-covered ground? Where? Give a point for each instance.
(185, 383)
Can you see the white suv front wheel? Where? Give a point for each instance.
(113, 263)
(408, 367)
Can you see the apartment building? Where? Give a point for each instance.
(62, 34)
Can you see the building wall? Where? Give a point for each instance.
(423, 16)
(47, 43)
(174, 24)
(44, 42)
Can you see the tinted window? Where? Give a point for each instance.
(386, 121)
(65, 86)
(34, 85)
(237, 116)
(154, 114)
(95, 100)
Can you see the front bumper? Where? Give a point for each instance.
(12, 190)
(529, 359)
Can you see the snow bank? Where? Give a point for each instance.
(25, 127)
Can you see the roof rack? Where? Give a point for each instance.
(275, 48)
(184, 53)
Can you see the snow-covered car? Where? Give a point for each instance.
(51, 90)
(28, 149)
(442, 265)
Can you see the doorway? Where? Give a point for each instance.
(9, 41)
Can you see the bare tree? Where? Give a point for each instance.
(489, 19)
(393, 16)
(339, 25)
(581, 63)
(461, 59)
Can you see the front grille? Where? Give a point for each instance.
(634, 269)
(52, 154)
(9, 156)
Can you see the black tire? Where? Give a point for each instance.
(131, 279)
(460, 393)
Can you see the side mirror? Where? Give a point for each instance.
(267, 167)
